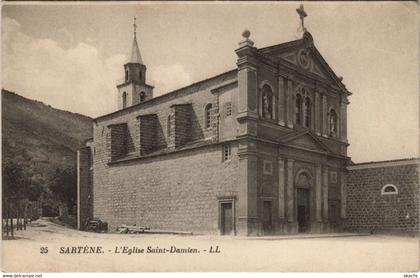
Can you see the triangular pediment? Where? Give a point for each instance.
(304, 140)
(304, 59)
(303, 55)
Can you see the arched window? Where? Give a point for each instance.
(333, 123)
(124, 100)
(307, 112)
(389, 189)
(298, 110)
(267, 102)
(126, 75)
(142, 96)
(169, 126)
(139, 75)
(207, 116)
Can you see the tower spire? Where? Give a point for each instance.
(135, 52)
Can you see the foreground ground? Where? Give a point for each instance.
(38, 250)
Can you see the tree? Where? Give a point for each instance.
(14, 180)
(64, 187)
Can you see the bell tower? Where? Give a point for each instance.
(133, 88)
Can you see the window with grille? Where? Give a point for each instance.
(227, 152)
(228, 109)
(207, 116)
(169, 126)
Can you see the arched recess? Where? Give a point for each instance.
(304, 110)
(299, 176)
(333, 122)
(267, 100)
(389, 189)
(142, 96)
(124, 99)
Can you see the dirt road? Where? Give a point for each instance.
(48, 247)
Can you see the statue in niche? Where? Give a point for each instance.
(266, 106)
(333, 123)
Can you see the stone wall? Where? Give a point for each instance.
(368, 210)
(176, 191)
(181, 124)
(147, 127)
(116, 141)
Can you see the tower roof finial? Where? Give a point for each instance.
(135, 27)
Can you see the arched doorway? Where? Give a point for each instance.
(303, 217)
(303, 203)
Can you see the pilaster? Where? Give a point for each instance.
(290, 103)
(281, 102)
(343, 119)
(318, 193)
(248, 222)
(343, 194)
(324, 116)
(247, 78)
(290, 191)
(325, 193)
(317, 114)
(281, 196)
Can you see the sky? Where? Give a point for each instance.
(70, 55)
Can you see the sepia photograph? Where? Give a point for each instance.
(210, 137)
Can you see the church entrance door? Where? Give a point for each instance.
(267, 218)
(226, 219)
(303, 210)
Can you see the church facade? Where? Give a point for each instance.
(257, 150)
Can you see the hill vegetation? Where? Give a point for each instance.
(39, 145)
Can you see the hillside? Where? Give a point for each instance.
(40, 138)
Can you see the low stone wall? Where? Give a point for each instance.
(370, 209)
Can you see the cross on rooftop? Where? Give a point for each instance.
(302, 15)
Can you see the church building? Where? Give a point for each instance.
(258, 150)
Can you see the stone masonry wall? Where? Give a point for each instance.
(182, 124)
(116, 141)
(177, 191)
(369, 211)
(147, 125)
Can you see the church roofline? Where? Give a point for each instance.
(169, 94)
(384, 163)
(281, 46)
